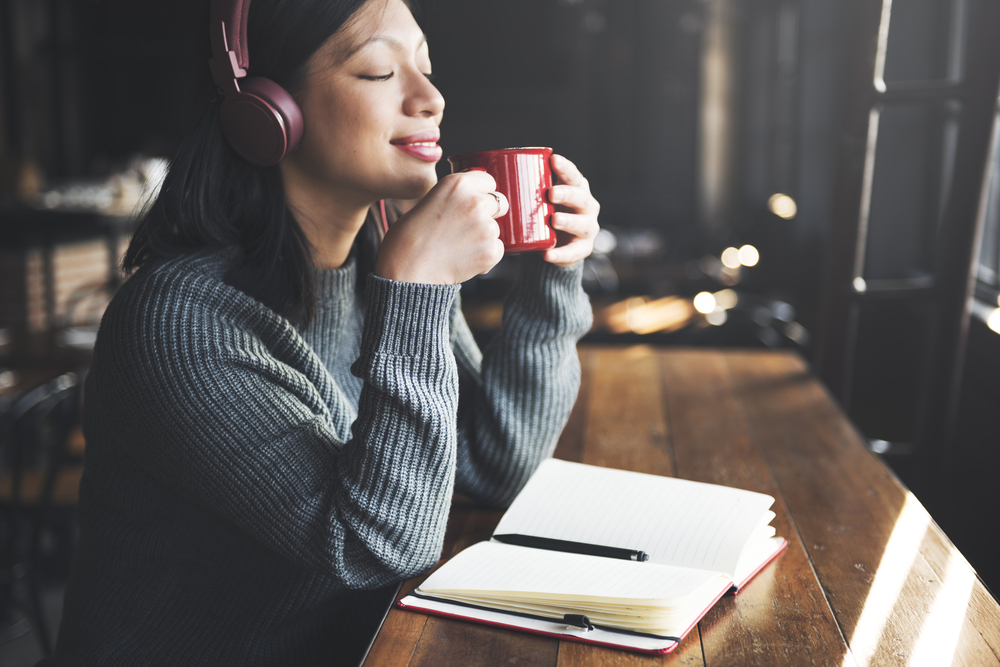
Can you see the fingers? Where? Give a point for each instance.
(582, 230)
(503, 206)
(573, 190)
(569, 254)
(576, 214)
(574, 197)
(496, 202)
(567, 172)
(478, 178)
(450, 236)
(584, 227)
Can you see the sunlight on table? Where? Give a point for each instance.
(897, 559)
(941, 628)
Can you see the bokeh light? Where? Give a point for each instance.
(731, 258)
(726, 299)
(704, 303)
(717, 317)
(783, 206)
(993, 321)
(749, 256)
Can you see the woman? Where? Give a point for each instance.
(282, 403)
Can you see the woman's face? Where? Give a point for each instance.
(371, 113)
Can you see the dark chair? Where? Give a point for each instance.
(34, 432)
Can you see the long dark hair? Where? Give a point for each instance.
(212, 198)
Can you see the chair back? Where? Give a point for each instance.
(34, 432)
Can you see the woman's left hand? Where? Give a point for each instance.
(575, 217)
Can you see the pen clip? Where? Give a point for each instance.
(578, 621)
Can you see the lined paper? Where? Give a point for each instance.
(677, 522)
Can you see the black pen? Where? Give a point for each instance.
(572, 547)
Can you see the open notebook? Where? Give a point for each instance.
(702, 540)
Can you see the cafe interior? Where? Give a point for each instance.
(803, 175)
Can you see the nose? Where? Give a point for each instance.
(423, 98)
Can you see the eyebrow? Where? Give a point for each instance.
(391, 41)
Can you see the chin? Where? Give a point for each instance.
(414, 188)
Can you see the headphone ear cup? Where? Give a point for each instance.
(261, 122)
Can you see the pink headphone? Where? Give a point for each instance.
(259, 118)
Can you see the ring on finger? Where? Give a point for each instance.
(496, 195)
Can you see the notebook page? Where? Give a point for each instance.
(754, 556)
(507, 569)
(549, 628)
(675, 521)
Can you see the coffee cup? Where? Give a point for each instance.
(524, 176)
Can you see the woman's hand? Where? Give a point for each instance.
(450, 236)
(575, 216)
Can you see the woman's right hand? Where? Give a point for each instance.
(449, 237)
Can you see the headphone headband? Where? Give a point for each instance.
(234, 14)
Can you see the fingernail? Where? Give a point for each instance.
(556, 195)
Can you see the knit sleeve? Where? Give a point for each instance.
(517, 395)
(217, 399)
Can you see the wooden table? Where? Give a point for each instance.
(868, 577)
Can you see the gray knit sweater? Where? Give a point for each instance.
(246, 483)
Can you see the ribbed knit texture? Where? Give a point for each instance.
(247, 485)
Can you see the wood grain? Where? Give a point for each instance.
(626, 427)
(876, 552)
(447, 643)
(573, 654)
(397, 639)
(781, 617)
(868, 578)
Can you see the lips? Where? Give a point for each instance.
(422, 146)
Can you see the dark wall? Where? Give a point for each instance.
(86, 84)
(613, 85)
(972, 492)
(140, 63)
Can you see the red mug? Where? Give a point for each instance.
(524, 176)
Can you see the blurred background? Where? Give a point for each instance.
(804, 174)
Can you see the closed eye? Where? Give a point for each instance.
(373, 77)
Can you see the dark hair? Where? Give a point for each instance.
(212, 198)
